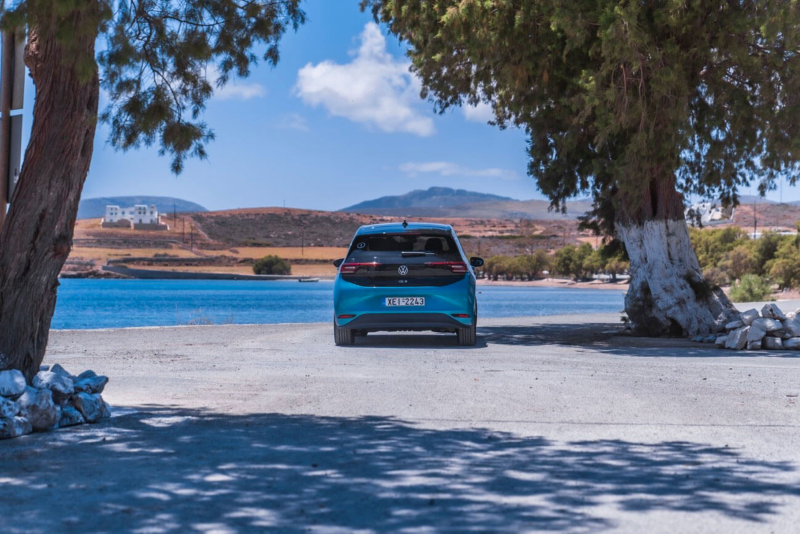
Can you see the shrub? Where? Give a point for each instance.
(750, 288)
(272, 265)
(716, 276)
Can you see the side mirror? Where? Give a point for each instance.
(476, 262)
(337, 263)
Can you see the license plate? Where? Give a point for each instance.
(404, 301)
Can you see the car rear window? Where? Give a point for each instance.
(436, 245)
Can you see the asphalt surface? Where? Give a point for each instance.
(549, 424)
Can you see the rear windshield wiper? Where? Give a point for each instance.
(414, 253)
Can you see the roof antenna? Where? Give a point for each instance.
(405, 223)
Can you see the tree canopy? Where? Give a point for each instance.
(162, 59)
(621, 99)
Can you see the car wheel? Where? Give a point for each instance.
(343, 336)
(467, 337)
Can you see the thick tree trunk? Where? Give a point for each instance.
(668, 294)
(37, 236)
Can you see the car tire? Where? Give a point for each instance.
(467, 337)
(343, 337)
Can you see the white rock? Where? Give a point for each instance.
(792, 344)
(61, 386)
(733, 325)
(772, 343)
(91, 384)
(754, 345)
(721, 340)
(749, 316)
(70, 417)
(792, 326)
(771, 311)
(755, 334)
(106, 410)
(59, 370)
(37, 406)
(90, 406)
(12, 383)
(14, 427)
(768, 325)
(8, 408)
(737, 339)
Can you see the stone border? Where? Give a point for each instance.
(55, 399)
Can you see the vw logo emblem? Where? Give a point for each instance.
(402, 270)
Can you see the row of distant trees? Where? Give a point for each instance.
(577, 262)
(728, 256)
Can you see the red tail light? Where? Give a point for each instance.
(350, 268)
(346, 316)
(459, 315)
(458, 267)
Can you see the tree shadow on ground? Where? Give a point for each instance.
(415, 340)
(177, 470)
(610, 339)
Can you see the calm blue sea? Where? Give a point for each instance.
(124, 303)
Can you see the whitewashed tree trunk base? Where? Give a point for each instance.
(668, 294)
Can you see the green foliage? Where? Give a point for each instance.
(784, 268)
(623, 100)
(738, 262)
(163, 59)
(532, 265)
(569, 261)
(750, 288)
(716, 276)
(272, 265)
(712, 245)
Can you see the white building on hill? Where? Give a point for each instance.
(140, 217)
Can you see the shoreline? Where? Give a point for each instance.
(564, 283)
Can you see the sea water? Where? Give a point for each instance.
(86, 303)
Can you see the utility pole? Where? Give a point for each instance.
(174, 216)
(755, 217)
(12, 85)
(191, 246)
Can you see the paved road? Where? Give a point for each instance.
(549, 424)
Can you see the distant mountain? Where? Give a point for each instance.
(457, 203)
(92, 208)
(434, 197)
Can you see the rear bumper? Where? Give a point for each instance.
(394, 322)
(368, 310)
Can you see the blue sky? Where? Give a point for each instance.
(338, 121)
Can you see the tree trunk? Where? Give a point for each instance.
(668, 294)
(37, 236)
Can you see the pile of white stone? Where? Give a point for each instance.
(57, 399)
(770, 329)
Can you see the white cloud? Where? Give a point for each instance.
(235, 89)
(447, 168)
(292, 121)
(375, 88)
(481, 113)
(240, 91)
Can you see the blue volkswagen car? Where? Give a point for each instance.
(409, 276)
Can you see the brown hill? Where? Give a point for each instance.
(496, 209)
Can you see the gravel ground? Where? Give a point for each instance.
(549, 424)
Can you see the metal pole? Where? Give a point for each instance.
(6, 83)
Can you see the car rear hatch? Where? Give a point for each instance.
(405, 259)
